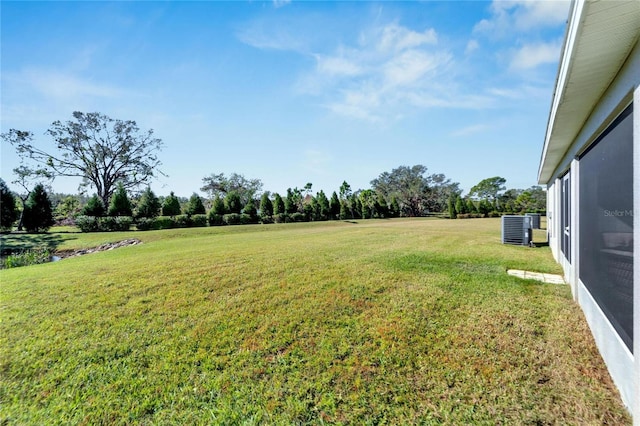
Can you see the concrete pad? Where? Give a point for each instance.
(528, 275)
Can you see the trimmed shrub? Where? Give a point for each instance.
(146, 224)
(215, 219)
(122, 223)
(104, 224)
(109, 223)
(265, 219)
(280, 218)
(182, 221)
(231, 219)
(199, 220)
(246, 219)
(87, 223)
(298, 217)
(165, 222)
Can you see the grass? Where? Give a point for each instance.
(396, 321)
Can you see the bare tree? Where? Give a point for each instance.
(100, 150)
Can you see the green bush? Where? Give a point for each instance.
(231, 219)
(298, 217)
(280, 218)
(8, 210)
(218, 207)
(149, 205)
(104, 224)
(246, 219)
(26, 258)
(165, 222)
(146, 224)
(182, 221)
(38, 212)
(266, 206)
(114, 223)
(171, 206)
(194, 207)
(199, 220)
(87, 223)
(266, 219)
(233, 202)
(120, 204)
(94, 207)
(215, 219)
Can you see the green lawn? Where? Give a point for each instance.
(389, 321)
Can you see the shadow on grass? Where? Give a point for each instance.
(18, 242)
(541, 244)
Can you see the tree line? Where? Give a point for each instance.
(115, 158)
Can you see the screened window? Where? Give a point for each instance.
(606, 223)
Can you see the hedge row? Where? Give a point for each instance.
(170, 222)
(104, 224)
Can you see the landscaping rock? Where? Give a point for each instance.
(103, 247)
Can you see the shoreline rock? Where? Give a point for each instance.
(64, 254)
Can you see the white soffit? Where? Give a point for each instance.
(600, 36)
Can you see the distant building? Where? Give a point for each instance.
(591, 167)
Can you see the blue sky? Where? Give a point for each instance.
(293, 92)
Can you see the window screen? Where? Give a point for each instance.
(606, 224)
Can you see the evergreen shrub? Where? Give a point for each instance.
(182, 221)
(104, 224)
(231, 219)
(280, 218)
(199, 220)
(215, 219)
(298, 217)
(38, 212)
(87, 223)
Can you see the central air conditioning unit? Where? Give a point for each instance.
(535, 220)
(516, 230)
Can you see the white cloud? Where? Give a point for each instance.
(522, 16)
(280, 3)
(411, 66)
(336, 65)
(397, 38)
(531, 55)
(379, 73)
(60, 85)
(472, 46)
(272, 38)
(471, 130)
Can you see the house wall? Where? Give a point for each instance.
(636, 248)
(624, 90)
